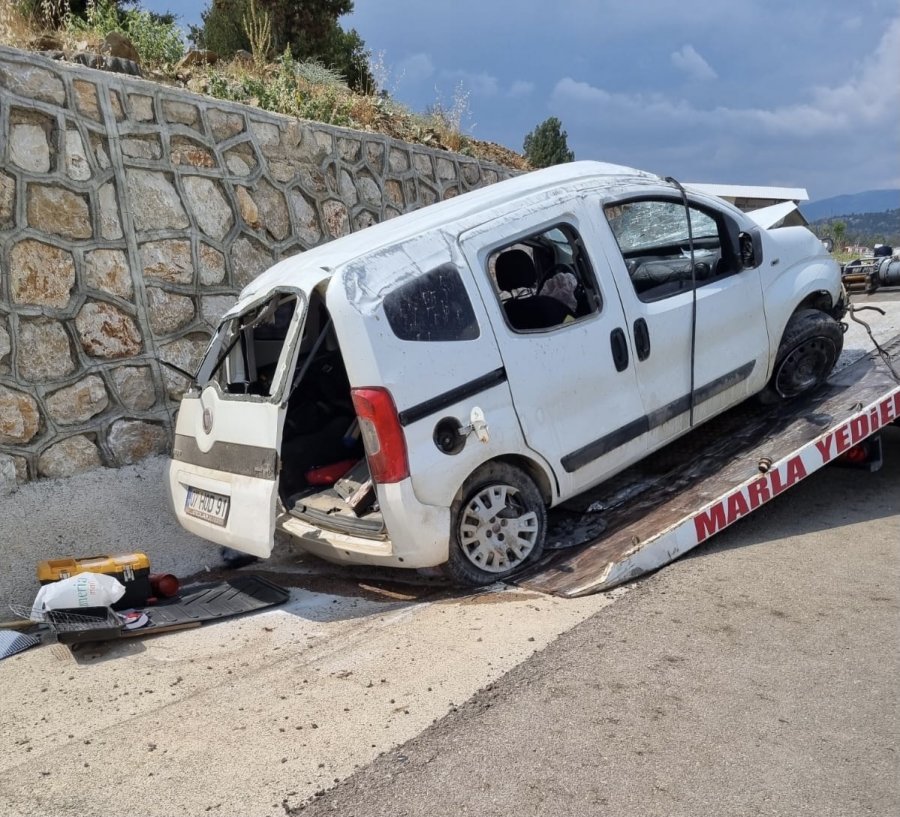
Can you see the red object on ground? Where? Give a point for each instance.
(164, 585)
(329, 474)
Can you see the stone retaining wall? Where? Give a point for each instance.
(131, 214)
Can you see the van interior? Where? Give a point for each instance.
(324, 477)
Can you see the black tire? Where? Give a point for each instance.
(490, 502)
(811, 345)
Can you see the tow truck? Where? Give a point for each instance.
(677, 499)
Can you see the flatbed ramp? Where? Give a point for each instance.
(677, 498)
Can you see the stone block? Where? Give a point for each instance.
(9, 483)
(79, 402)
(57, 210)
(69, 457)
(247, 207)
(141, 147)
(29, 147)
(86, 99)
(349, 149)
(77, 165)
(248, 259)
(212, 265)
(393, 191)
(154, 201)
(446, 170)
(132, 440)
(168, 312)
(368, 188)
(272, 210)
(186, 353)
(108, 271)
(309, 230)
(32, 82)
(268, 137)
(141, 108)
(398, 160)
(209, 205)
(189, 152)
(212, 307)
(336, 217)
(20, 418)
(168, 260)
(7, 201)
(224, 124)
(471, 172)
(134, 385)
(375, 153)
(110, 225)
(41, 274)
(107, 332)
(423, 165)
(347, 189)
(181, 113)
(363, 219)
(43, 350)
(5, 346)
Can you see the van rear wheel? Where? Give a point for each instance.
(498, 523)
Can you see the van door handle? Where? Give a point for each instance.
(619, 349)
(641, 339)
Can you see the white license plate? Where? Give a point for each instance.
(205, 505)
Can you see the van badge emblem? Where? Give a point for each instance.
(207, 420)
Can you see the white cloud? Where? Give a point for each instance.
(480, 84)
(850, 129)
(688, 60)
(416, 67)
(520, 88)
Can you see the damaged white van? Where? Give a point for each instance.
(418, 394)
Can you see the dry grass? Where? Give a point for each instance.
(306, 90)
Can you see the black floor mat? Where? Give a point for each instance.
(208, 602)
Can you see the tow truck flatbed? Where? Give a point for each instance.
(676, 499)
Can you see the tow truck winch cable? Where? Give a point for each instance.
(852, 310)
(687, 211)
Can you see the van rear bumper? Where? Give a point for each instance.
(245, 529)
(418, 534)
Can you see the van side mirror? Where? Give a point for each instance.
(750, 244)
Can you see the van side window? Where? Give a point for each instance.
(432, 307)
(654, 241)
(544, 280)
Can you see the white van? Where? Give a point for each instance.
(419, 393)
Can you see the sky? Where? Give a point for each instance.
(800, 94)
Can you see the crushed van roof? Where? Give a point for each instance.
(584, 175)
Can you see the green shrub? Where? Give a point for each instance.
(158, 42)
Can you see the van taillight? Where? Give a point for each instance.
(382, 434)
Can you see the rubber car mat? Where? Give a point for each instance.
(208, 602)
(241, 594)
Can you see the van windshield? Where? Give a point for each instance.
(244, 353)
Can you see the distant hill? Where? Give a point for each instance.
(865, 228)
(869, 201)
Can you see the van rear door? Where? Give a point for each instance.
(223, 478)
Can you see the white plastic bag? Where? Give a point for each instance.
(80, 590)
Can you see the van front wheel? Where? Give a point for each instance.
(498, 523)
(811, 346)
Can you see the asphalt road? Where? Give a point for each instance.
(759, 676)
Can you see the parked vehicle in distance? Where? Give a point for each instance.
(418, 394)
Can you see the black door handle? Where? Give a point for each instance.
(619, 349)
(641, 339)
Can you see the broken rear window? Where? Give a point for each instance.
(432, 307)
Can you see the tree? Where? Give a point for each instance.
(309, 28)
(546, 145)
